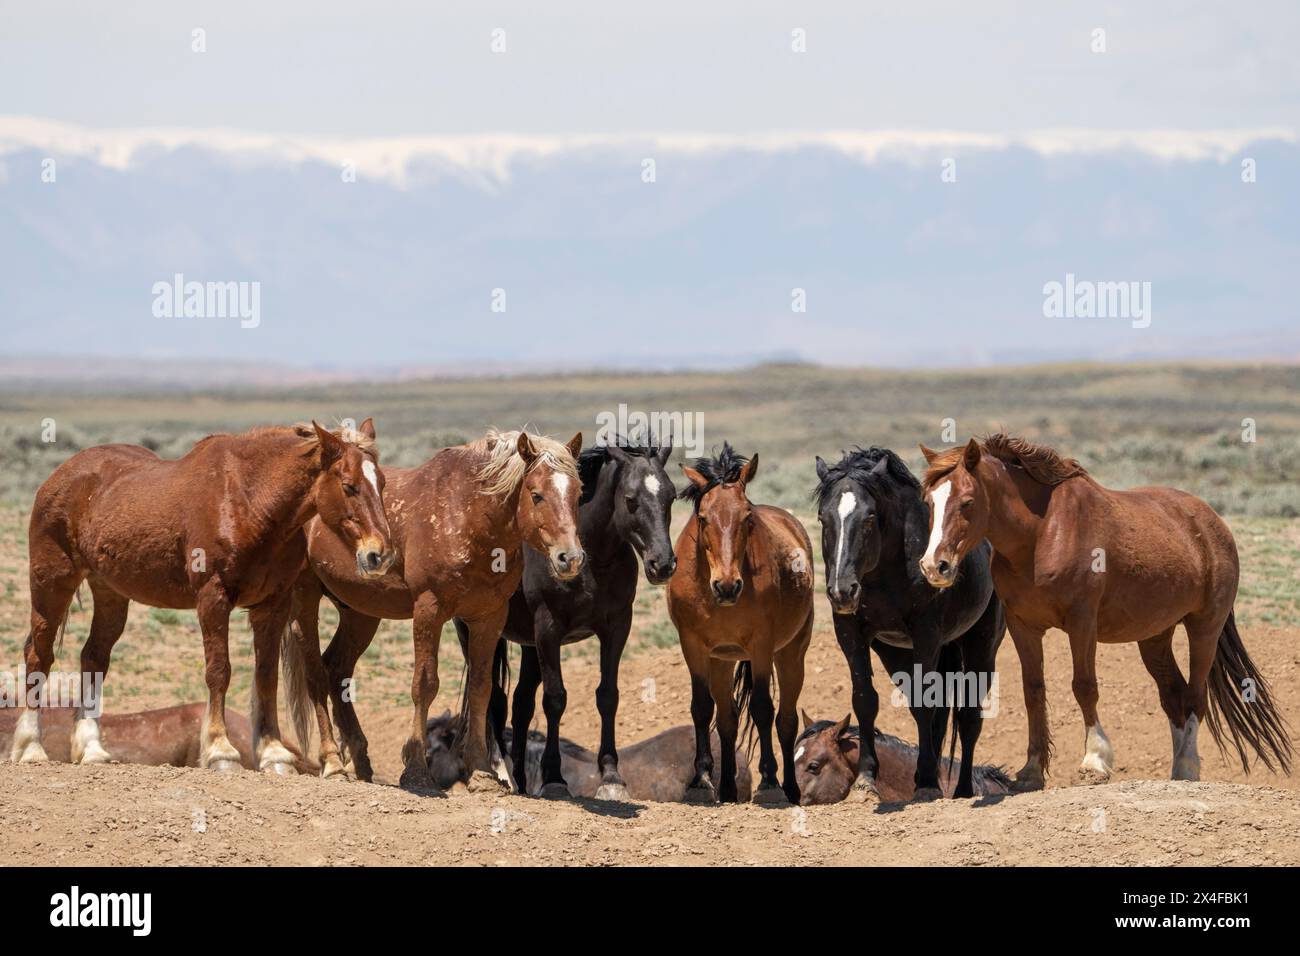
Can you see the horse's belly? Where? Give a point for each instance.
(893, 638)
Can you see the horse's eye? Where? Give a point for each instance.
(537, 499)
(968, 504)
(813, 766)
(630, 501)
(871, 518)
(350, 490)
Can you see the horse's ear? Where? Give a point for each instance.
(971, 456)
(618, 454)
(367, 429)
(666, 449)
(807, 721)
(822, 470)
(881, 469)
(930, 454)
(842, 726)
(527, 450)
(695, 478)
(331, 446)
(749, 471)
(575, 445)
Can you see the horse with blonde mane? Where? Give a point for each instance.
(1109, 566)
(218, 529)
(459, 522)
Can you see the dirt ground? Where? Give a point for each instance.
(121, 815)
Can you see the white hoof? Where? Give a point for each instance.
(86, 745)
(613, 793)
(1187, 762)
(32, 753)
(26, 746)
(276, 759)
(1099, 757)
(222, 756)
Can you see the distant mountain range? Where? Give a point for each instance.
(372, 257)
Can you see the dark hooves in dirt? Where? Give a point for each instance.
(555, 791)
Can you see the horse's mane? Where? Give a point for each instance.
(858, 465)
(504, 470)
(1039, 462)
(593, 459)
(722, 469)
(303, 431)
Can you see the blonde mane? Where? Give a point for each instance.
(504, 470)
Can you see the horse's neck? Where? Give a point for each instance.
(1016, 503)
(287, 502)
(596, 518)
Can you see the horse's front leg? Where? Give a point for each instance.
(269, 620)
(613, 638)
(554, 700)
(721, 678)
(426, 632)
(1029, 648)
(484, 637)
(929, 706)
(216, 752)
(1098, 756)
(700, 789)
(866, 704)
(760, 706)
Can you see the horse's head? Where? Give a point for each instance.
(851, 524)
(724, 518)
(349, 497)
(825, 761)
(959, 510)
(547, 514)
(643, 501)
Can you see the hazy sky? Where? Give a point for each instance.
(384, 68)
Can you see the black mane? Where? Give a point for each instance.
(723, 469)
(591, 460)
(857, 465)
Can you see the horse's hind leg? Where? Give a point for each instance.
(1158, 657)
(701, 788)
(789, 663)
(106, 626)
(54, 580)
(979, 649)
(554, 700)
(306, 680)
(268, 619)
(354, 634)
(525, 703)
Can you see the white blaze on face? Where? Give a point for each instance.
(368, 469)
(939, 508)
(561, 483)
(848, 501)
(652, 484)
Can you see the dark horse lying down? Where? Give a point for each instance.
(875, 528)
(623, 511)
(826, 764)
(655, 769)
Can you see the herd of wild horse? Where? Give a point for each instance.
(519, 537)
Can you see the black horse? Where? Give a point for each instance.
(624, 510)
(939, 647)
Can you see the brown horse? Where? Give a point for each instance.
(459, 522)
(742, 592)
(1109, 566)
(217, 529)
(166, 737)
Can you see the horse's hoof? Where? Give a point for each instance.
(770, 797)
(1027, 783)
(613, 793)
(33, 753)
(95, 754)
(1091, 777)
(927, 795)
(481, 781)
(700, 794)
(864, 791)
(555, 791)
(279, 769)
(334, 770)
(417, 779)
(225, 765)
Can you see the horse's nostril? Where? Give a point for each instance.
(944, 567)
(374, 559)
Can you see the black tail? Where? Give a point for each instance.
(742, 690)
(950, 662)
(1241, 700)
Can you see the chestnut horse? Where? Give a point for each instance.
(217, 529)
(459, 522)
(742, 593)
(1109, 566)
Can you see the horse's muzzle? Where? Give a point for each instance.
(940, 574)
(658, 572)
(845, 600)
(567, 565)
(374, 562)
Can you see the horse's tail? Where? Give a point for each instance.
(1241, 700)
(293, 668)
(742, 692)
(950, 662)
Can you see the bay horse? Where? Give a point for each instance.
(217, 529)
(940, 647)
(624, 511)
(828, 753)
(458, 522)
(742, 598)
(1109, 566)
